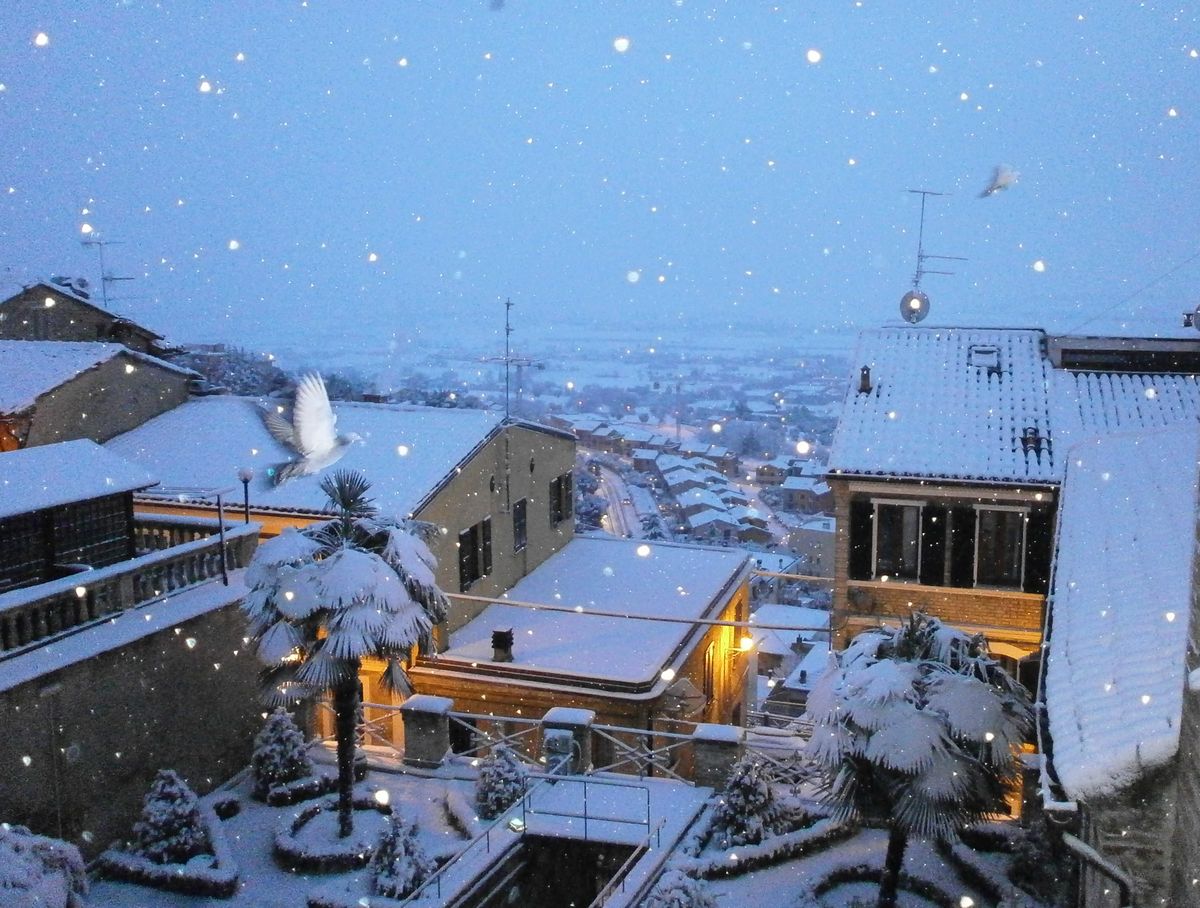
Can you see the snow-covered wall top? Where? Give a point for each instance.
(405, 451)
(947, 402)
(606, 574)
(954, 403)
(47, 476)
(1121, 605)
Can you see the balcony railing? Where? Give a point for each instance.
(33, 614)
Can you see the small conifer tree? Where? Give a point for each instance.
(279, 753)
(675, 889)
(400, 864)
(748, 812)
(170, 830)
(501, 782)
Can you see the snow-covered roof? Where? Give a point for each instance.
(644, 454)
(702, 497)
(29, 369)
(1121, 606)
(46, 476)
(607, 574)
(810, 667)
(709, 517)
(947, 402)
(406, 451)
(954, 403)
(805, 484)
(71, 292)
(779, 642)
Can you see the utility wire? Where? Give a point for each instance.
(1142, 289)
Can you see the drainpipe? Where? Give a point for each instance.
(1092, 857)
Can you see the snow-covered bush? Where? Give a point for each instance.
(400, 863)
(35, 870)
(675, 889)
(279, 753)
(170, 830)
(748, 812)
(501, 782)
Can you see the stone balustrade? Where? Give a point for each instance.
(35, 613)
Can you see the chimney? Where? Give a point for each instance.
(502, 644)
(1030, 440)
(864, 380)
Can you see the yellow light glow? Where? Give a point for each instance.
(746, 643)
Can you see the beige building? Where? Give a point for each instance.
(53, 391)
(500, 493)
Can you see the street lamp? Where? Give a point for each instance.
(245, 474)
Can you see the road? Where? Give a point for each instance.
(620, 518)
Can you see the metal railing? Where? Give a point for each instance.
(34, 614)
(644, 756)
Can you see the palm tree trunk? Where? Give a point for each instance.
(345, 709)
(890, 879)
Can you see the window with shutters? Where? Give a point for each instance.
(520, 525)
(474, 554)
(562, 498)
(1000, 546)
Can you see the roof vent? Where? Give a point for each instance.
(1031, 440)
(864, 380)
(502, 646)
(985, 356)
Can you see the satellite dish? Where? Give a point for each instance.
(914, 306)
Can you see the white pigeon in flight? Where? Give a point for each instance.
(1002, 178)
(310, 433)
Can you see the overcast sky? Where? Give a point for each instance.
(402, 167)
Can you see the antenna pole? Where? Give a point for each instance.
(105, 277)
(508, 304)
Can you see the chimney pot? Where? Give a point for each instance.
(502, 645)
(864, 380)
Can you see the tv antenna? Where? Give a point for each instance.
(914, 305)
(510, 360)
(106, 277)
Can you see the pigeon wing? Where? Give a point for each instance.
(281, 430)
(312, 418)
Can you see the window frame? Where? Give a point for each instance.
(920, 505)
(1022, 546)
(477, 541)
(520, 520)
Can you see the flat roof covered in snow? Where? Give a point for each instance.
(605, 574)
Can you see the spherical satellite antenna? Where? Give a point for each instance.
(914, 306)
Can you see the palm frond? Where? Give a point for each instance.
(347, 493)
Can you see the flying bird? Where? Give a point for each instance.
(310, 433)
(1002, 178)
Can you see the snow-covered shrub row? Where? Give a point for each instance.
(214, 875)
(853, 870)
(336, 854)
(280, 754)
(981, 874)
(675, 889)
(285, 794)
(461, 814)
(743, 859)
(225, 805)
(35, 870)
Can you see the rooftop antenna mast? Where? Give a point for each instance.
(508, 330)
(914, 305)
(106, 277)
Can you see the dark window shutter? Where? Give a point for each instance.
(466, 559)
(1039, 540)
(487, 546)
(861, 512)
(933, 545)
(962, 547)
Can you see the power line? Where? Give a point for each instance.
(1162, 277)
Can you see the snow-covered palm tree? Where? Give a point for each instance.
(918, 728)
(323, 598)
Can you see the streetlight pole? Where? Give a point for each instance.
(245, 474)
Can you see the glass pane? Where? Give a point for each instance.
(898, 541)
(1000, 548)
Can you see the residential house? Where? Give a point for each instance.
(643, 459)
(122, 647)
(947, 462)
(712, 526)
(500, 492)
(694, 501)
(62, 310)
(784, 633)
(773, 472)
(806, 494)
(54, 391)
(1122, 770)
(614, 633)
(814, 540)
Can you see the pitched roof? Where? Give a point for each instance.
(83, 299)
(947, 402)
(406, 451)
(1121, 606)
(46, 476)
(29, 369)
(607, 574)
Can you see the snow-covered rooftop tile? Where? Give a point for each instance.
(406, 451)
(1121, 606)
(947, 402)
(676, 581)
(47, 476)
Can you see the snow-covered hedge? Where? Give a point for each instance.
(39, 871)
(744, 858)
(675, 889)
(214, 875)
(337, 854)
(461, 813)
(285, 794)
(852, 869)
